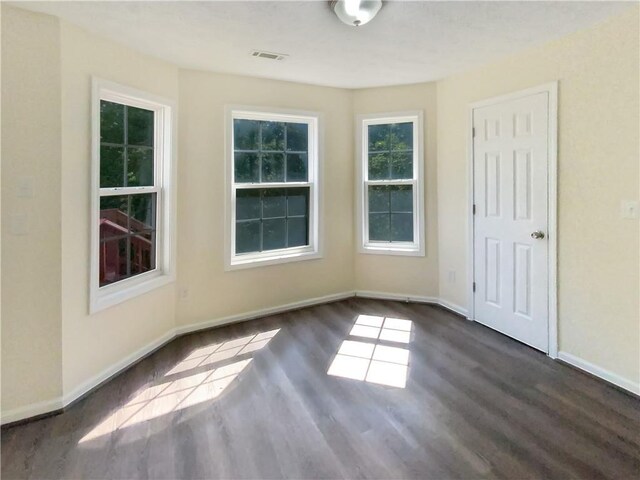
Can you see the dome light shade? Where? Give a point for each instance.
(356, 12)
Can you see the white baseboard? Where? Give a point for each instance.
(49, 406)
(32, 410)
(61, 402)
(64, 401)
(113, 370)
(395, 296)
(614, 378)
(116, 368)
(242, 317)
(413, 298)
(454, 308)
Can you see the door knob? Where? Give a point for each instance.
(538, 235)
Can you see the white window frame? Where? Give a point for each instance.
(416, 247)
(285, 255)
(164, 186)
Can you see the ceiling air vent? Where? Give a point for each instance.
(269, 55)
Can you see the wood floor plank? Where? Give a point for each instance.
(255, 400)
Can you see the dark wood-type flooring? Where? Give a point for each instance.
(210, 405)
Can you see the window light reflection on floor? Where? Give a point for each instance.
(375, 362)
(207, 380)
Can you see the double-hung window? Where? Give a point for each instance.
(131, 209)
(273, 179)
(390, 197)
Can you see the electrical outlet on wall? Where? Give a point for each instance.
(184, 293)
(451, 276)
(629, 209)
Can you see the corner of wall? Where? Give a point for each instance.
(406, 276)
(31, 238)
(94, 345)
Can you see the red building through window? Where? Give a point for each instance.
(124, 238)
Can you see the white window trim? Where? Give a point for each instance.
(273, 257)
(165, 154)
(417, 247)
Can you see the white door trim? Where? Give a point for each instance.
(552, 191)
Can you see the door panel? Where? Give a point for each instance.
(510, 193)
(522, 185)
(522, 282)
(492, 187)
(492, 271)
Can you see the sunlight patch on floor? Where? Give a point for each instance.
(372, 361)
(389, 329)
(184, 391)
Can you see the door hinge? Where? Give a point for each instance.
(474, 286)
(473, 132)
(474, 209)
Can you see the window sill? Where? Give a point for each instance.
(111, 295)
(411, 250)
(241, 262)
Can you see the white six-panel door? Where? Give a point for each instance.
(510, 167)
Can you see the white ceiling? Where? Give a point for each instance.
(407, 42)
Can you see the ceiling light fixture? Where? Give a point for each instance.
(356, 12)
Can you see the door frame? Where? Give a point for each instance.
(551, 89)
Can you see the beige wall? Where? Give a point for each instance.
(31, 270)
(598, 162)
(92, 343)
(212, 292)
(412, 276)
